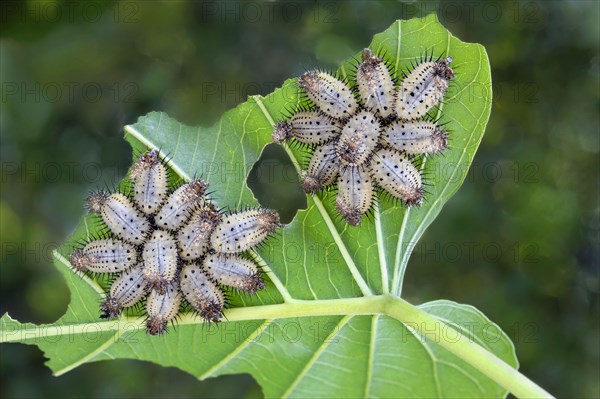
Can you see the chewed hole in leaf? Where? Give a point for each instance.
(275, 183)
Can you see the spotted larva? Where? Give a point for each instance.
(180, 205)
(394, 172)
(423, 88)
(234, 271)
(355, 194)
(150, 186)
(160, 260)
(358, 139)
(203, 294)
(375, 85)
(415, 137)
(331, 95)
(162, 308)
(310, 127)
(243, 231)
(322, 170)
(194, 237)
(127, 290)
(120, 215)
(104, 256)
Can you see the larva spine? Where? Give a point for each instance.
(180, 205)
(127, 290)
(322, 170)
(150, 186)
(202, 293)
(355, 194)
(162, 308)
(415, 137)
(394, 173)
(120, 215)
(423, 88)
(331, 95)
(358, 139)
(160, 260)
(309, 127)
(104, 256)
(242, 231)
(375, 85)
(234, 271)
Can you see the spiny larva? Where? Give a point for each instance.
(242, 231)
(309, 127)
(378, 137)
(330, 94)
(162, 308)
(415, 137)
(394, 172)
(202, 293)
(323, 169)
(181, 204)
(150, 186)
(193, 238)
(104, 256)
(160, 260)
(234, 271)
(150, 234)
(120, 215)
(423, 88)
(127, 290)
(355, 194)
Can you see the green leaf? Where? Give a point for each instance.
(331, 321)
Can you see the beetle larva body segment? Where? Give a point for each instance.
(162, 308)
(160, 260)
(243, 231)
(329, 94)
(375, 85)
(150, 185)
(358, 139)
(423, 89)
(415, 137)
(355, 194)
(323, 169)
(181, 204)
(394, 173)
(234, 271)
(202, 293)
(104, 256)
(127, 290)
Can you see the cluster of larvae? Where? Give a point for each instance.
(374, 141)
(166, 245)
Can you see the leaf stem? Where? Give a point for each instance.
(397, 308)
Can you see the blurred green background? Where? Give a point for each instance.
(520, 240)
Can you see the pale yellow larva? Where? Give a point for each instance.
(160, 260)
(104, 256)
(415, 137)
(120, 215)
(242, 231)
(355, 194)
(162, 308)
(309, 127)
(358, 139)
(375, 85)
(181, 204)
(322, 170)
(150, 185)
(394, 173)
(202, 293)
(329, 94)
(126, 291)
(234, 271)
(423, 88)
(193, 238)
